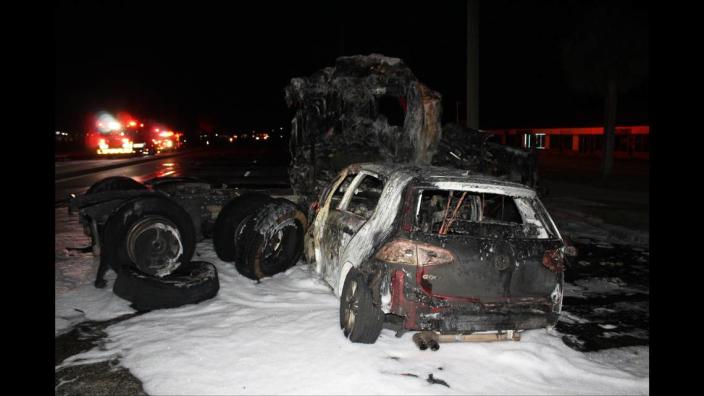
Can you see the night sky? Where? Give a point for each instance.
(216, 66)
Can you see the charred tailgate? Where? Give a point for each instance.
(487, 270)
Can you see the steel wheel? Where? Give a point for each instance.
(154, 245)
(351, 307)
(361, 319)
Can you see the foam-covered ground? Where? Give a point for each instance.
(282, 336)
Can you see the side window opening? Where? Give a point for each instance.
(366, 197)
(499, 208)
(341, 190)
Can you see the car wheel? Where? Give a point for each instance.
(273, 240)
(200, 282)
(151, 234)
(115, 183)
(230, 225)
(360, 319)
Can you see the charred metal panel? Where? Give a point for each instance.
(497, 254)
(451, 322)
(373, 109)
(350, 113)
(315, 235)
(470, 149)
(202, 202)
(489, 270)
(340, 226)
(101, 205)
(379, 228)
(403, 302)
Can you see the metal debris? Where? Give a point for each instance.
(373, 109)
(471, 149)
(433, 380)
(364, 109)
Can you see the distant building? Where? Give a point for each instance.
(630, 141)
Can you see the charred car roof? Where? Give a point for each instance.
(446, 178)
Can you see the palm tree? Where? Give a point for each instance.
(607, 54)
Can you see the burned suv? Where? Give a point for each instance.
(435, 249)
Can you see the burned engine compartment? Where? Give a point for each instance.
(373, 109)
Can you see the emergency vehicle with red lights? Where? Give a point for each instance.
(124, 134)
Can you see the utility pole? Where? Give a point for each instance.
(473, 64)
(457, 112)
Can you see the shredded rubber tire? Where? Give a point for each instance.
(115, 183)
(232, 220)
(273, 240)
(115, 239)
(368, 319)
(147, 293)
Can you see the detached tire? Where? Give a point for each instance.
(115, 183)
(360, 319)
(151, 234)
(274, 242)
(147, 293)
(229, 227)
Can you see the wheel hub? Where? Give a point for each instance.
(154, 245)
(274, 244)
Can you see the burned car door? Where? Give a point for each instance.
(330, 226)
(343, 223)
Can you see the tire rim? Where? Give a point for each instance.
(240, 229)
(273, 245)
(351, 306)
(154, 245)
(278, 247)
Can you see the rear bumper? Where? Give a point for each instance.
(429, 313)
(457, 321)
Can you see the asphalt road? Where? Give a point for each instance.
(236, 165)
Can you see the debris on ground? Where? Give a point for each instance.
(433, 380)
